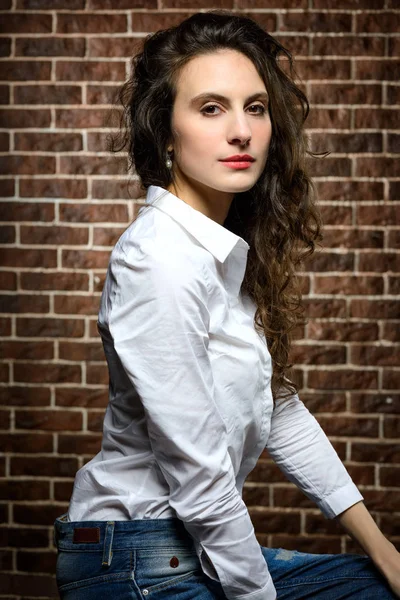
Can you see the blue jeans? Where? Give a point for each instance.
(155, 558)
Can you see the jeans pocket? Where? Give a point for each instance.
(161, 569)
(83, 570)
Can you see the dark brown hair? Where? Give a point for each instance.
(277, 216)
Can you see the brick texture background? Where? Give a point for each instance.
(65, 201)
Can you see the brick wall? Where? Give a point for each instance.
(65, 202)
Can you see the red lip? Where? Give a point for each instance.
(240, 157)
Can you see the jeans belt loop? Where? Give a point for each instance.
(108, 540)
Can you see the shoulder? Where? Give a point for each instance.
(157, 245)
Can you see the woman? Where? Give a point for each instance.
(195, 318)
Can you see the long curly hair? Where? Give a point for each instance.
(278, 216)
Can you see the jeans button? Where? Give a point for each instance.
(145, 592)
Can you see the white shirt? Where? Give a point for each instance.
(190, 405)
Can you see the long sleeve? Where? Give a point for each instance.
(159, 321)
(303, 452)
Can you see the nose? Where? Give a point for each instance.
(239, 130)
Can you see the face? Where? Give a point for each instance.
(208, 129)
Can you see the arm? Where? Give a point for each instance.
(360, 525)
(159, 322)
(303, 452)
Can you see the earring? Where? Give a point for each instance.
(168, 162)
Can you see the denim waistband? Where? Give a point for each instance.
(107, 535)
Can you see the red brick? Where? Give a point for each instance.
(119, 189)
(394, 142)
(391, 332)
(329, 118)
(390, 524)
(55, 281)
(88, 351)
(349, 46)
(89, 213)
(256, 495)
(349, 4)
(21, 257)
(393, 94)
(23, 23)
(19, 350)
(317, 68)
(289, 496)
(350, 191)
(8, 279)
(102, 94)
(54, 235)
(79, 305)
(4, 142)
(5, 326)
(331, 402)
(382, 214)
(394, 190)
(351, 284)
(53, 188)
(50, 46)
(394, 285)
(97, 374)
(19, 537)
(24, 70)
(84, 396)
(343, 379)
(314, 21)
(391, 428)
(377, 166)
(37, 514)
(92, 165)
(307, 354)
(333, 214)
(343, 331)
(345, 93)
(79, 444)
(379, 403)
(47, 373)
(49, 327)
(273, 521)
(375, 452)
(45, 466)
(334, 261)
(122, 4)
(107, 236)
(48, 142)
(26, 443)
(377, 22)
(382, 262)
(318, 523)
(95, 420)
(10, 303)
(24, 490)
(391, 379)
(4, 94)
(85, 259)
(106, 47)
(375, 309)
(375, 355)
(324, 307)
(24, 211)
(27, 396)
(6, 188)
(349, 426)
(375, 118)
(351, 237)
(382, 500)
(90, 71)
(34, 562)
(50, 420)
(362, 474)
(5, 46)
(51, 4)
(91, 23)
(329, 166)
(82, 118)
(43, 585)
(382, 69)
(346, 142)
(63, 490)
(389, 476)
(28, 165)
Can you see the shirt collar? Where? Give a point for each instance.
(214, 237)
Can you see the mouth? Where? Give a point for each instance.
(239, 158)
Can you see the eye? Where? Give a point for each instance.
(262, 108)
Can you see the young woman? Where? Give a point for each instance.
(196, 313)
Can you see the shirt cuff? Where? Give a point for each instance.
(340, 500)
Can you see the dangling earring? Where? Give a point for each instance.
(168, 162)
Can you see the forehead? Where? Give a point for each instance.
(225, 71)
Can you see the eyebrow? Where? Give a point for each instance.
(214, 96)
